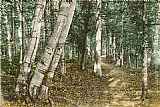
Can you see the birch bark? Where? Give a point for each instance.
(114, 48)
(144, 69)
(8, 31)
(97, 63)
(49, 60)
(110, 43)
(20, 29)
(155, 61)
(155, 39)
(29, 57)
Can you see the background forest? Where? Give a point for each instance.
(80, 53)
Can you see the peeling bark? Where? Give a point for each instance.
(50, 58)
(29, 57)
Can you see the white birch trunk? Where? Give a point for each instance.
(8, 31)
(114, 48)
(29, 57)
(52, 53)
(129, 60)
(110, 43)
(155, 61)
(144, 72)
(97, 63)
(144, 69)
(20, 29)
(155, 39)
(121, 56)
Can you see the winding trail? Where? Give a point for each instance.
(120, 88)
(124, 88)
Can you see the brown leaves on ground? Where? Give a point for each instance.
(119, 87)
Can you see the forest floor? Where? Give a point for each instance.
(119, 87)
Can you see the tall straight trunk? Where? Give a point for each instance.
(83, 34)
(129, 55)
(29, 57)
(121, 56)
(114, 48)
(50, 58)
(122, 42)
(110, 43)
(155, 55)
(129, 60)
(154, 61)
(107, 47)
(13, 28)
(21, 29)
(97, 63)
(8, 36)
(82, 58)
(144, 70)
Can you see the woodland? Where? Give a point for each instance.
(80, 53)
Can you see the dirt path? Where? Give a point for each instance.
(125, 87)
(119, 87)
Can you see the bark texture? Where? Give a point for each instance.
(114, 48)
(8, 31)
(50, 58)
(21, 29)
(110, 43)
(144, 69)
(29, 57)
(156, 48)
(97, 63)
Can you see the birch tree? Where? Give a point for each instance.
(21, 29)
(114, 48)
(8, 31)
(155, 59)
(110, 43)
(122, 44)
(97, 63)
(155, 39)
(144, 69)
(82, 38)
(50, 58)
(30, 55)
